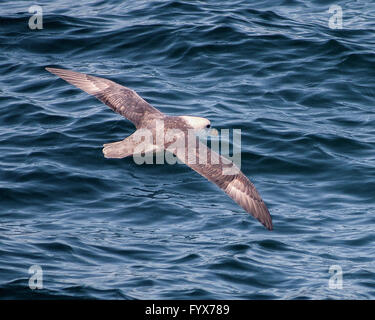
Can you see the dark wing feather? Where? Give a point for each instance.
(215, 168)
(119, 98)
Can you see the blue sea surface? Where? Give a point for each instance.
(302, 93)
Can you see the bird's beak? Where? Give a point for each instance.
(213, 132)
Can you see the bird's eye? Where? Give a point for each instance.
(208, 126)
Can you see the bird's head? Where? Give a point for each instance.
(200, 125)
(197, 123)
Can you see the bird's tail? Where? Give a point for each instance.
(118, 150)
(132, 145)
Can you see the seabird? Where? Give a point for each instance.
(129, 104)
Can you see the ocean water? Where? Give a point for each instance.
(302, 94)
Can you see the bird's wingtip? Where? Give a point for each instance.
(267, 222)
(53, 70)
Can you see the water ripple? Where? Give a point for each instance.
(302, 95)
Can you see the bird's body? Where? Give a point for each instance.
(176, 138)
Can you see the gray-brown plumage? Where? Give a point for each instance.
(119, 98)
(129, 104)
(236, 185)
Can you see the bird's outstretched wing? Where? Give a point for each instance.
(119, 98)
(229, 178)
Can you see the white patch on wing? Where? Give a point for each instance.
(233, 189)
(195, 122)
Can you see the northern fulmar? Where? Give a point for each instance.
(129, 104)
